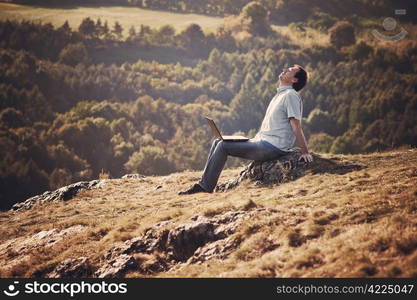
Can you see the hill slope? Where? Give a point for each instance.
(361, 223)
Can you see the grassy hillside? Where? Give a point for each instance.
(358, 224)
(126, 16)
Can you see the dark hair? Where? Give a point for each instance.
(302, 77)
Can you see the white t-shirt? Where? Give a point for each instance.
(276, 128)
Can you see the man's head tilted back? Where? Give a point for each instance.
(301, 76)
(295, 76)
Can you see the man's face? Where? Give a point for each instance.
(288, 75)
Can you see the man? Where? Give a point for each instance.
(280, 129)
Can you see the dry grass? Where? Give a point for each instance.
(362, 223)
(126, 16)
(104, 175)
(304, 39)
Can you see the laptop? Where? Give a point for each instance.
(218, 135)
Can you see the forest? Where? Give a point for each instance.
(73, 108)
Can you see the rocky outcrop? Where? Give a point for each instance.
(216, 250)
(286, 168)
(19, 249)
(64, 193)
(133, 176)
(201, 239)
(117, 266)
(72, 268)
(42, 239)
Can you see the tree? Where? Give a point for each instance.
(165, 34)
(144, 30)
(257, 15)
(150, 160)
(351, 142)
(105, 30)
(320, 121)
(87, 27)
(59, 178)
(217, 66)
(132, 33)
(65, 29)
(74, 54)
(246, 107)
(12, 118)
(193, 40)
(320, 142)
(340, 145)
(23, 179)
(321, 21)
(99, 28)
(117, 30)
(361, 51)
(342, 34)
(224, 40)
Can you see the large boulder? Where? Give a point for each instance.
(287, 168)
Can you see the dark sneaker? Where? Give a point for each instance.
(196, 188)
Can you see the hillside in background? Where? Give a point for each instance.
(332, 223)
(102, 97)
(126, 16)
(281, 11)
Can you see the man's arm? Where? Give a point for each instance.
(300, 139)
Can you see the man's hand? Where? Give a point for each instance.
(306, 157)
(301, 140)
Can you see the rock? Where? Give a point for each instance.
(72, 268)
(65, 193)
(151, 241)
(20, 249)
(284, 169)
(200, 239)
(218, 250)
(117, 266)
(184, 240)
(41, 239)
(133, 176)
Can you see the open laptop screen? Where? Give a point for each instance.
(214, 128)
(217, 133)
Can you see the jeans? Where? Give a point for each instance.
(251, 149)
